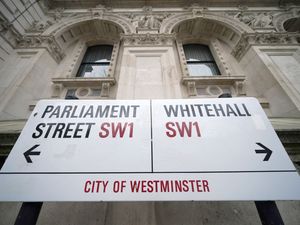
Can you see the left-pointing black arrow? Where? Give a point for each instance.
(30, 152)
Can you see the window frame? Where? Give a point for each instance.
(81, 71)
(201, 62)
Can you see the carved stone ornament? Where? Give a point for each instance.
(241, 47)
(105, 89)
(240, 88)
(8, 31)
(58, 14)
(214, 86)
(151, 22)
(39, 26)
(47, 42)
(191, 88)
(147, 9)
(248, 40)
(281, 18)
(148, 39)
(56, 90)
(98, 11)
(255, 19)
(197, 10)
(242, 7)
(147, 21)
(4, 25)
(100, 6)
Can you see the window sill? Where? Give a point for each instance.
(83, 84)
(84, 81)
(213, 86)
(217, 79)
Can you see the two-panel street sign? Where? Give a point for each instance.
(148, 150)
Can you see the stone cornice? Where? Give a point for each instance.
(40, 41)
(162, 4)
(147, 39)
(222, 80)
(263, 39)
(84, 81)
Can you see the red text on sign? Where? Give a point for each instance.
(95, 186)
(163, 186)
(116, 130)
(183, 129)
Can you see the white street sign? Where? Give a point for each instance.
(143, 150)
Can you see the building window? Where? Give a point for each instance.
(200, 61)
(96, 61)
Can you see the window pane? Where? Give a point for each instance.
(200, 60)
(96, 61)
(196, 52)
(93, 70)
(99, 53)
(203, 69)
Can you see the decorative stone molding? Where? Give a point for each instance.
(39, 26)
(241, 48)
(221, 62)
(191, 88)
(40, 41)
(240, 88)
(57, 14)
(98, 11)
(113, 60)
(105, 89)
(147, 9)
(68, 20)
(182, 59)
(255, 20)
(215, 85)
(148, 39)
(169, 23)
(282, 17)
(84, 81)
(56, 90)
(8, 32)
(256, 39)
(148, 21)
(83, 85)
(197, 10)
(75, 60)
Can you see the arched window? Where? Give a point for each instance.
(200, 60)
(96, 61)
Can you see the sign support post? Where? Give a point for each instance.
(268, 213)
(267, 210)
(29, 213)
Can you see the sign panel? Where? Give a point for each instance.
(84, 136)
(143, 150)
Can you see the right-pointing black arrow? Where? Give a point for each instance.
(30, 152)
(265, 150)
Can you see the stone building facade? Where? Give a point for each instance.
(254, 45)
